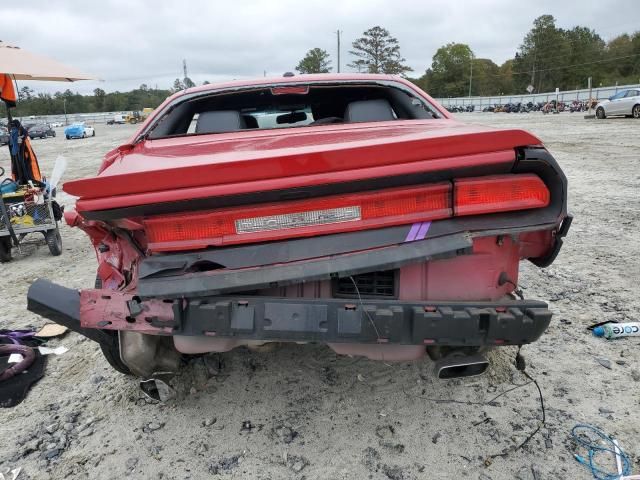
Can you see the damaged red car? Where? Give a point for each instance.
(349, 210)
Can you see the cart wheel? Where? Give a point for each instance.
(5, 249)
(54, 241)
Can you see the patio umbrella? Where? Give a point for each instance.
(23, 65)
(19, 64)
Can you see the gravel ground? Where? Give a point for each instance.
(303, 412)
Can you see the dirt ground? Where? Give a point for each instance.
(303, 412)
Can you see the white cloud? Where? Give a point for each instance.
(128, 43)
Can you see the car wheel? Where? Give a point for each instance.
(600, 113)
(68, 137)
(54, 134)
(54, 241)
(84, 135)
(93, 134)
(636, 111)
(5, 249)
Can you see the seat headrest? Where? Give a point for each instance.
(220, 121)
(369, 111)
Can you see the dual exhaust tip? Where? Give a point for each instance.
(458, 366)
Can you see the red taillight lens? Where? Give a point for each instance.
(301, 218)
(503, 193)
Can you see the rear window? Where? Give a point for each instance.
(290, 106)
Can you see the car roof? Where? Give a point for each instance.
(316, 77)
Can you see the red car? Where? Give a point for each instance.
(348, 209)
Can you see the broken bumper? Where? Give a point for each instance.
(94, 312)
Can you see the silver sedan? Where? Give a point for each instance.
(625, 102)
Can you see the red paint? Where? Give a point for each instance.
(173, 193)
(109, 311)
(174, 169)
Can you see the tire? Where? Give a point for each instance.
(84, 135)
(93, 134)
(5, 249)
(112, 355)
(68, 137)
(54, 134)
(600, 113)
(54, 241)
(635, 111)
(111, 351)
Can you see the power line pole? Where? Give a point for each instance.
(338, 34)
(184, 68)
(470, 76)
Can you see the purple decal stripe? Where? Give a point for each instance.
(411, 236)
(424, 228)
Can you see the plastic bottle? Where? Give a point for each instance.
(616, 330)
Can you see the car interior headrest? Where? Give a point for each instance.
(220, 121)
(369, 111)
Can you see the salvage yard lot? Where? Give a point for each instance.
(302, 411)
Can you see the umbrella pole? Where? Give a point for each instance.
(3, 208)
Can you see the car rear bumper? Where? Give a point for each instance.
(324, 320)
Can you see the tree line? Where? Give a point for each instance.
(548, 57)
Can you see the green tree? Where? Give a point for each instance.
(178, 85)
(188, 83)
(315, 61)
(378, 52)
(544, 52)
(25, 93)
(586, 47)
(625, 49)
(450, 71)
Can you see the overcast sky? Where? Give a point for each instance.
(127, 43)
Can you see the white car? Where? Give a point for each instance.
(625, 102)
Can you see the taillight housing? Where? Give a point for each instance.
(289, 219)
(500, 193)
(344, 213)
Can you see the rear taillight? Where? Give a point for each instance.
(301, 218)
(500, 193)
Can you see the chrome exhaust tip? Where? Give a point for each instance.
(458, 366)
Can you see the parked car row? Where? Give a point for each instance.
(625, 102)
(44, 130)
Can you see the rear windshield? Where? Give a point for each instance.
(290, 106)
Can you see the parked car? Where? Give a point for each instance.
(4, 136)
(625, 102)
(56, 124)
(118, 119)
(79, 130)
(40, 130)
(350, 210)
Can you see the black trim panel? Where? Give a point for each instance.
(512, 322)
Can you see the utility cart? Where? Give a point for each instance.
(26, 210)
